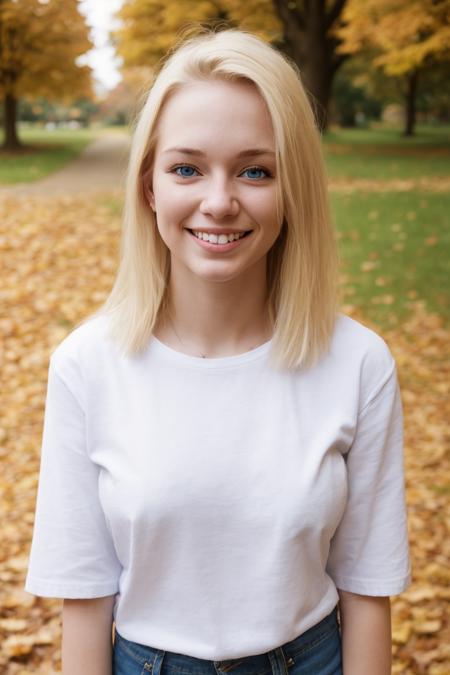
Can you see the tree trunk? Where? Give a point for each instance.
(317, 78)
(308, 42)
(11, 141)
(410, 103)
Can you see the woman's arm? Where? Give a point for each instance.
(366, 634)
(87, 636)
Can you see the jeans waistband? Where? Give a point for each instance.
(254, 663)
(311, 635)
(294, 647)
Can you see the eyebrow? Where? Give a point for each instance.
(251, 152)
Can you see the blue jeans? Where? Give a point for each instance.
(317, 651)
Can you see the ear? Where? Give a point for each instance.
(149, 195)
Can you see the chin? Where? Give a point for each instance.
(218, 276)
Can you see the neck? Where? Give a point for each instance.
(215, 319)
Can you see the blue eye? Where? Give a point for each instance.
(257, 168)
(184, 166)
(185, 171)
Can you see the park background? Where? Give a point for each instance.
(378, 75)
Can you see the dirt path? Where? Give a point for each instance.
(100, 167)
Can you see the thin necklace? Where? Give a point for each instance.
(179, 339)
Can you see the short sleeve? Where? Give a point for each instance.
(72, 554)
(369, 552)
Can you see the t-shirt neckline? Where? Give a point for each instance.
(214, 362)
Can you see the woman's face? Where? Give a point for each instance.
(214, 174)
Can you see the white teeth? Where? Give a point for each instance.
(217, 239)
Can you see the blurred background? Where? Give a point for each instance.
(73, 76)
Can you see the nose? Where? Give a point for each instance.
(219, 200)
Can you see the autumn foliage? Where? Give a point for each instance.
(39, 46)
(406, 34)
(402, 38)
(149, 28)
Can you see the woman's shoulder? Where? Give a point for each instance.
(84, 343)
(361, 352)
(357, 340)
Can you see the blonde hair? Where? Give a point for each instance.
(302, 265)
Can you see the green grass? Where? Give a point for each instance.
(44, 152)
(428, 136)
(394, 246)
(394, 249)
(384, 154)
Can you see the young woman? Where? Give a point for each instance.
(222, 465)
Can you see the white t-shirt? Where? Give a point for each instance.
(222, 500)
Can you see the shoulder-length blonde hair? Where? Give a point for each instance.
(302, 265)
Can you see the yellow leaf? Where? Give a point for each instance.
(427, 626)
(401, 633)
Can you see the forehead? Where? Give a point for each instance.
(213, 112)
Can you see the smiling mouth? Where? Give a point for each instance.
(219, 239)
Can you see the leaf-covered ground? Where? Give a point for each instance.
(59, 258)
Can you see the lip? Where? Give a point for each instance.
(218, 230)
(218, 248)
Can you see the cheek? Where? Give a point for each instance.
(174, 200)
(265, 212)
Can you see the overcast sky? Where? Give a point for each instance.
(103, 60)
